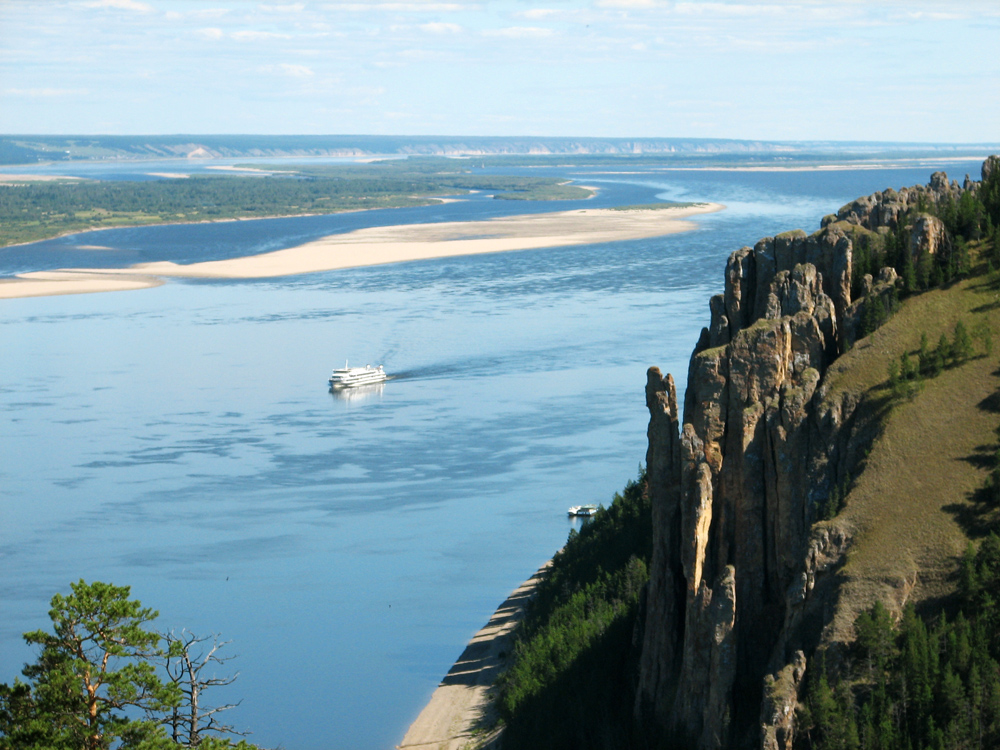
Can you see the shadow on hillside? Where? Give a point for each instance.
(992, 402)
(987, 307)
(983, 458)
(979, 515)
(585, 705)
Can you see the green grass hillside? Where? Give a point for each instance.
(912, 508)
(911, 656)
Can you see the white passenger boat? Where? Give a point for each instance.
(350, 377)
(583, 510)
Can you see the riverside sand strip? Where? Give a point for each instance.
(390, 244)
(459, 714)
(49, 283)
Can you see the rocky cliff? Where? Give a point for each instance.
(739, 574)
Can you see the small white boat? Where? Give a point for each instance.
(350, 377)
(583, 510)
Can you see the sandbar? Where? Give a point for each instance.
(461, 710)
(400, 243)
(48, 283)
(228, 168)
(6, 177)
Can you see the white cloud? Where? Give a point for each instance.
(290, 8)
(918, 15)
(174, 15)
(520, 32)
(209, 13)
(437, 27)
(535, 13)
(288, 69)
(397, 7)
(45, 92)
(629, 4)
(733, 9)
(121, 5)
(209, 33)
(253, 36)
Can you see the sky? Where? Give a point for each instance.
(811, 70)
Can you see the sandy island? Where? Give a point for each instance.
(460, 713)
(6, 177)
(379, 245)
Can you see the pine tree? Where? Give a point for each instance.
(96, 664)
(961, 346)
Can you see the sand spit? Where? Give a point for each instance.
(256, 170)
(399, 243)
(5, 177)
(48, 283)
(459, 712)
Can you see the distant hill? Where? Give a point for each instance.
(27, 149)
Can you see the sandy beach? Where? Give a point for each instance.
(459, 713)
(6, 177)
(48, 283)
(380, 245)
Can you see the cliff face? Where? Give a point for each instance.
(737, 582)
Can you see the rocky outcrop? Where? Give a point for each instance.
(732, 494)
(885, 209)
(991, 166)
(740, 568)
(777, 714)
(928, 235)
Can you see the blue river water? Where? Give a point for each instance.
(182, 440)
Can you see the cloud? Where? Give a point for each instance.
(537, 13)
(288, 69)
(174, 15)
(520, 32)
(290, 8)
(37, 93)
(397, 7)
(210, 33)
(629, 4)
(121, 5)
(437, 27)
(730, 9)
(253, 36)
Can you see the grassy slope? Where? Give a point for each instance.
(922, 472)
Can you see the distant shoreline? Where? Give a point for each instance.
(377, 246)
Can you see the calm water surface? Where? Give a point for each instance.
(181, 439)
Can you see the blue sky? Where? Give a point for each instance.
(900, 71)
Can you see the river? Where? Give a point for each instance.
(182, 440)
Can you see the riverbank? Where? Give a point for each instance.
(460, 714)
(381, 245)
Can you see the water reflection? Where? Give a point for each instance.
(358, 393)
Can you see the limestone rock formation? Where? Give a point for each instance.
(739, 569)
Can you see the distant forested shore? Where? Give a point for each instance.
(32, 211)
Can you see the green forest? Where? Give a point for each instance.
(31, 211)
(569, 680)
